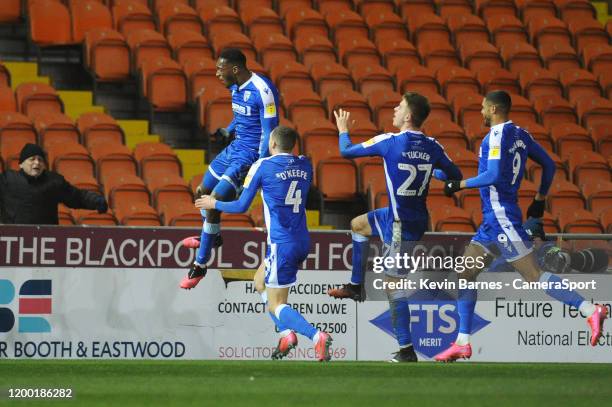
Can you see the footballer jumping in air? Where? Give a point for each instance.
(409, 159)
(284, 180)
(255, 106)
(503, 155)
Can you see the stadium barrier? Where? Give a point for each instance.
(94, 292)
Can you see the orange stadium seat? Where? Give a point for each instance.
(87, 217)
(315, 49)
(65, 216)
(99, 128)
(534, 171)
(214, 108)
(237, 220)
(286, 5)
(598, 58)
(526, 193)
(605, 217)
(10, 11)
(370, 78)
(136, 214)
(416, 78)
(480, 55)
(16, 130)
(522, 110)
(539, 133)
(454, 80)
(467, 28)
(440, 109)
(7, 100)
(466, 160)
(188, 45)
(304, 22)
(175, 17)
(506, 29)
(330, 76)
(544, 29)
(397, 53)
(302, 102)
(103, 45)
(349, 100)
(436, 197)
(539, 81)
(450, 218)
(382, 103)
(79, 179)
(427, 28)
(273, 47)
(49, 23)
(592, 110)
(413, 7)
(564, 195)
(488, 8)
(260, 20)
(168, 187)
(448, 133)
(201, 74)
(112, 158)
(558, 56)
(454, 7)
(588, 31)
(346, 24)
(578, 221)
(578, 83)
(385, 25)
(327, 6)
(337, 179)
(605, 81)
(601, 133)
(131, 15)
(520, 57)
(235, 40)
(145, 45)
(120, 187)
(575, 9)
(586, 166)
(598, 194)
(157, 4)
(532, 8)
(498, 79)
(438, 54)
(65, 157)
(86, 15)
(467, 107)
(371, 172)
(290, 73)
(357, 51)
(181, 214)
(55, 128)
(219, 19)
(5, 76)
(164, 84)
(320, 147)
(155, 157)
(373, 6)
(553, 109)
(33, 98)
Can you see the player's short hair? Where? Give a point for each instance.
(419, 107)
(285, 137)
(501, 99)
(234, 56)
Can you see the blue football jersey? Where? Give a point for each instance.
(510, 145)
(284, 180)
(409, 160)
(255, 107)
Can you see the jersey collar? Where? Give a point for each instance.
(247, 82)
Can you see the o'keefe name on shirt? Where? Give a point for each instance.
(292, 174)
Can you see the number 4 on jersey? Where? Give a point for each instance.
(294, 197)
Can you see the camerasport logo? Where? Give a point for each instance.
(434, 321)
(34, 301)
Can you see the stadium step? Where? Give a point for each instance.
(192, 161)
(603, 13)
(313, 218)
(24, 72)
(77, 102)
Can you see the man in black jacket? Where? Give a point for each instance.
(31, 195)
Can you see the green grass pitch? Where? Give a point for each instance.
(292, 384)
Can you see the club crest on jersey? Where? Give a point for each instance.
(247, 95)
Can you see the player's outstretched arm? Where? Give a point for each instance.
(374, 146)
(489, 177)
(540, 156)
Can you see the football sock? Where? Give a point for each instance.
(291, 319)
(465, 307)
(562, 294)
(361, 245)
(209, 233)
(400, 318)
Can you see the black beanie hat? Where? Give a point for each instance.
(30, 150)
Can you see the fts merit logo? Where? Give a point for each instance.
(434, 321)
(34, 299)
